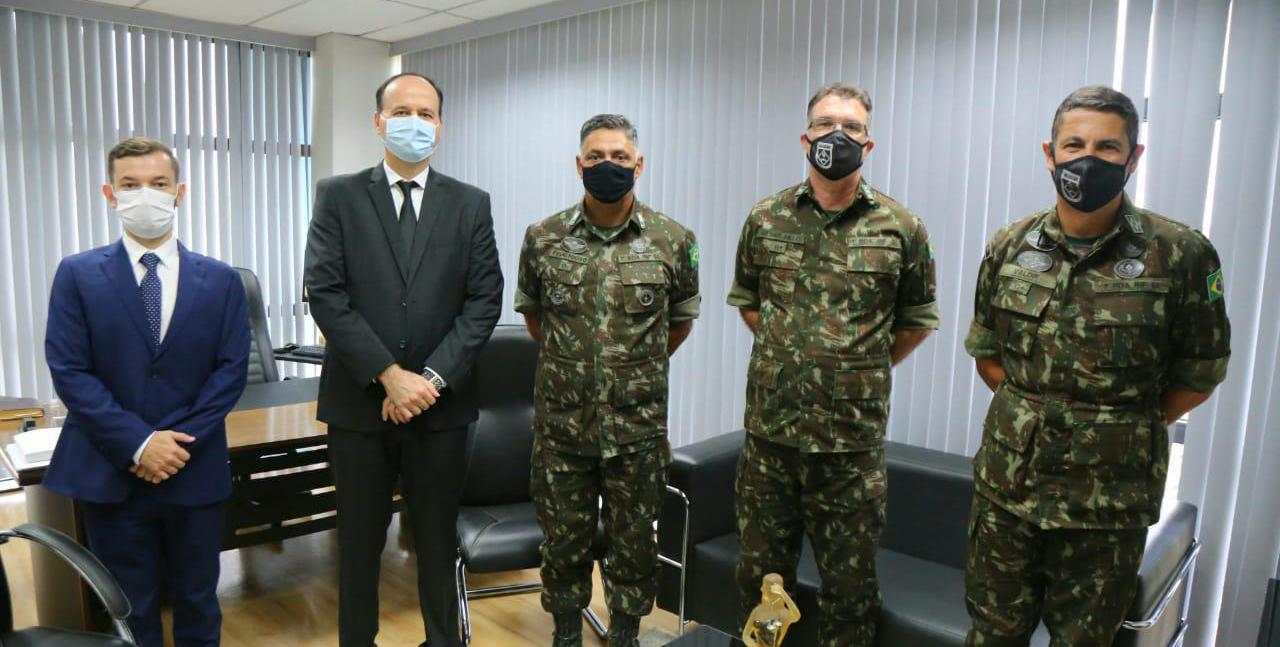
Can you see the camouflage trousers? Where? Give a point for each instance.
(572, 494)
(1080, 582)
(837, 499)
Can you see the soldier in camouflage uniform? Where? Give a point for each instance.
(1096, 324)
(609, 287)
(837, 282)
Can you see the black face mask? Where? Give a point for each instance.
(835, 155)
(608, 182)
(1089, 182)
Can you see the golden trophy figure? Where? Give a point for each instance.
(768, 623)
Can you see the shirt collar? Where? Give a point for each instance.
(167, 251)
(578, 217)
(1129, 221)
(863, 194)
(393, 177)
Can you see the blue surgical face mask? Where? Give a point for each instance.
(410, 138)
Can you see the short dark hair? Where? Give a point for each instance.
(609, 122)
(1099, 98)
(842, 90)
(137, 147)
(382, 89)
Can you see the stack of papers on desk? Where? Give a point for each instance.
(34, 448)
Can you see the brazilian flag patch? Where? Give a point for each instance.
(693, 256)
(1215, 286)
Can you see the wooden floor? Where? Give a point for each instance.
(285, 595)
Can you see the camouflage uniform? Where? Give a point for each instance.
(1075, 450)
(831, 289)
(606, 299)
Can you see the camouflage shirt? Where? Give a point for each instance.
(606, 299)
(1075, 437)
(831, 289)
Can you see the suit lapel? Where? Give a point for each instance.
(436, 206)
(380, 193)
(120, 272)
(190, 293)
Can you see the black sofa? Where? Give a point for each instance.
(921, 559)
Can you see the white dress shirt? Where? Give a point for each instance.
(397, 198)
(167, 271)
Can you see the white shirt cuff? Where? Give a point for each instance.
(137, 456)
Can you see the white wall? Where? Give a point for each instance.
(348, 69)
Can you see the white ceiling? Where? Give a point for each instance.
(385, 20)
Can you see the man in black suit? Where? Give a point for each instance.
(403, 277)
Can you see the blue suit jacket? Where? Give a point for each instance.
(117, 390)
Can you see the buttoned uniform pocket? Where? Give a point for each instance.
(560, 400)
(1108, 464)
(645, 286)
(779, 255)
(1020, 302)
(874, 265)
(768, 399)
(1130, 320)
(860, 407)
(562, 285)
(638, 397)
(1007, 432)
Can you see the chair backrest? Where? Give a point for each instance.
(262, 359)
(930, 493)
(500, 443)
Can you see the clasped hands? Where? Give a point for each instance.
(163, 456)
(408, 394)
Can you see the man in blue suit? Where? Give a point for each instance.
(148, 346)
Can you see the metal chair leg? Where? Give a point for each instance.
(464, 609)
(594, 622)
(683, 564)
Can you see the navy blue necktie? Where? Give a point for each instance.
(151, 297)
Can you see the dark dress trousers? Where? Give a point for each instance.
(377, 303)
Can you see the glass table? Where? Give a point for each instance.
(706, 637)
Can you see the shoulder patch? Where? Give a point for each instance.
(1215, 286)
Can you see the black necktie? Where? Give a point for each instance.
(408, 219)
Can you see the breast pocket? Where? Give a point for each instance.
(874, 264)
(1019, 307)
(1130, 322)
(562, 286)
(779, 256)
(644, 287)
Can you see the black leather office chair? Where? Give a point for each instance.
(497, 524)
(262, 361)
(91, 570)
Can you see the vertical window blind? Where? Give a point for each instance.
(236, 114)
(963, 95)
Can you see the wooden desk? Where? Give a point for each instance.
(279, 468)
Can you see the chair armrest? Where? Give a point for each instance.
(1169, 559)
(85, 564)
(705, 473)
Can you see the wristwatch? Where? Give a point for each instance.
(434, 378)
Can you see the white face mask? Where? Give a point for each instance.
(146, 213)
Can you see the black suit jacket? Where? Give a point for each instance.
(375, 306)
